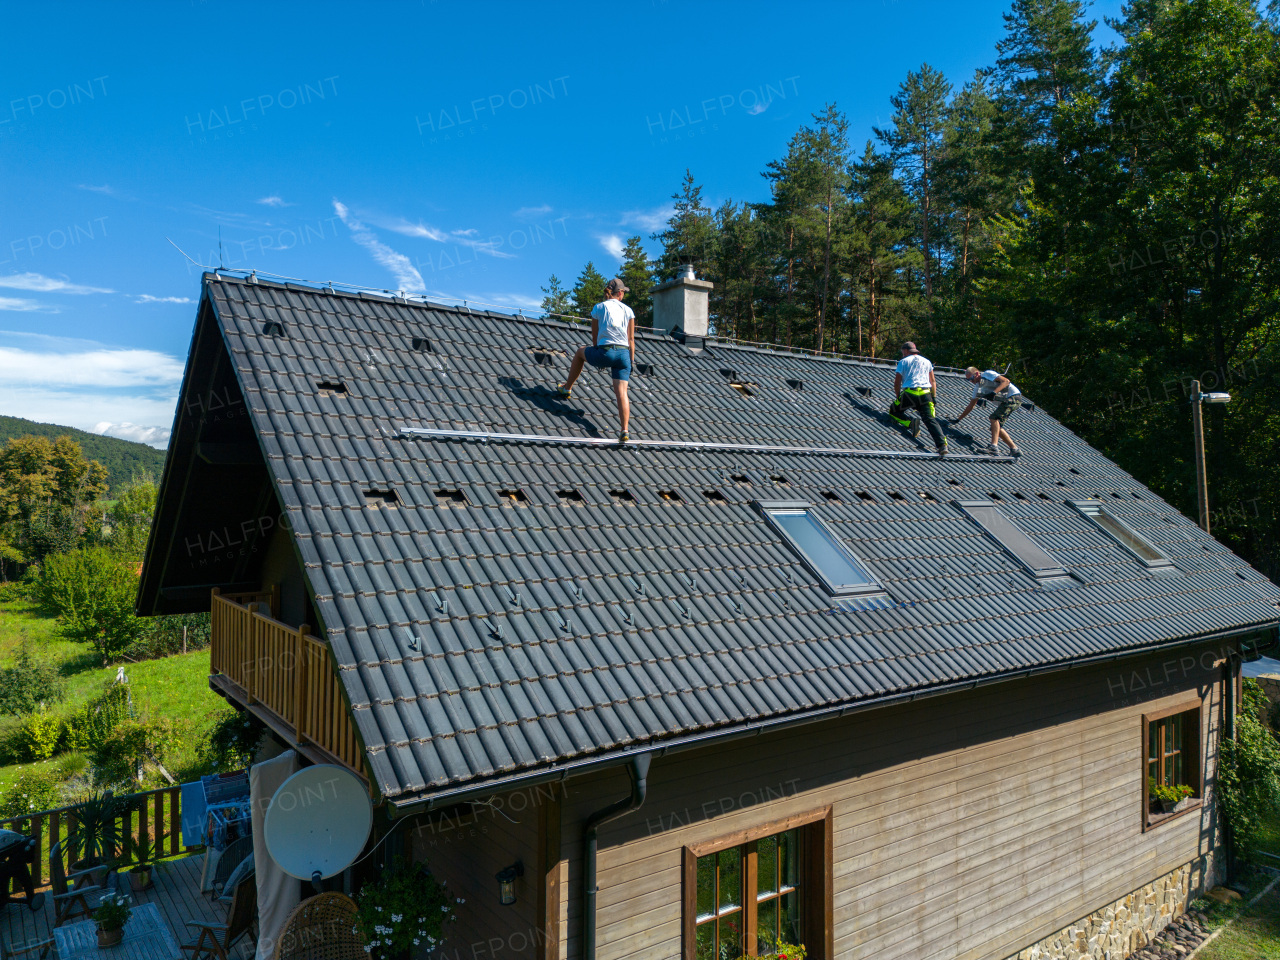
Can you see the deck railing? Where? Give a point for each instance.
(154, 815)
(284, 672)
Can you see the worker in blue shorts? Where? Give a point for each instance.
(613, 338)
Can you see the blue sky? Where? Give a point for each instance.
(460, 149)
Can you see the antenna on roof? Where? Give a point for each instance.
(220, 266)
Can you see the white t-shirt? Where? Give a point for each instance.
(615, 323)
(986, 386)
(915, 371)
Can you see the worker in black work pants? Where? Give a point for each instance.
(915, 387)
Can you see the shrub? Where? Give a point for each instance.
(92, 593)
(1249, 774)
(32, 791)
(28, 684)
(39, 735)
(90, 727)
(133, 743)
(234, 740)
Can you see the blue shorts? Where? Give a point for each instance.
(615, 359)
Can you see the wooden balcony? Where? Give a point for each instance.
(284, 676)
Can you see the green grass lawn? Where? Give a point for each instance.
(1254, 934)
(175, 687)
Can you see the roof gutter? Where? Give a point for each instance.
(562, 771)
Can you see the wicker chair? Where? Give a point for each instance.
(217, 939)
(321, 928)
(70, 894)
(231, 857)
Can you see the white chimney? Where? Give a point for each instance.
(682, 304)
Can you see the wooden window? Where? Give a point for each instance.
(1171, 758)
(747, 892)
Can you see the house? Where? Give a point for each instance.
(770, 670)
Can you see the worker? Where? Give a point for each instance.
(990, 385)
(915, 388)
(613, 348)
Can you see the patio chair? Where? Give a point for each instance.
(321, 928)
(231, 858)
(70, 893)
(217, 939)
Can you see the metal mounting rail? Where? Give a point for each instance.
(481, 436)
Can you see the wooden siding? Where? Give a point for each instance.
(965, 826)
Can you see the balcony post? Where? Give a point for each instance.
(300, 682)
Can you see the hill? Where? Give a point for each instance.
(123, 459)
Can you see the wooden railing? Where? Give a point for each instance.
(285, 675)
(154, 815)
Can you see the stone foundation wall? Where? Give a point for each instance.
(1121, 928)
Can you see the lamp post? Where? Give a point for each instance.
(1197, 428)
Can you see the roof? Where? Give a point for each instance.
(523, 603)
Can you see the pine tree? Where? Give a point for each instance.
(827, 148)
(690, 235)
(916, 140)
(636, 274)
(588, 291)
(880, 250)
(555, 298)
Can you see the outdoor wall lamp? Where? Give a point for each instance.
(507, 883)
(1197, 430)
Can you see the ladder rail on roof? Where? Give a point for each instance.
(485, 436)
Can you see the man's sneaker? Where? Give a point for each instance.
(624, 437)
(1015, 452)
(989, 449)
(915, 429)
(942, 450)
(564, 391)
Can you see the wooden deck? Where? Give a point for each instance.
(175, 891)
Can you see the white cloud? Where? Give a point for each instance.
(107, 189)
(152, 436)
(87, 408)
(274, 201)
(148, 298)
(38, 283)
(419, 229)
(23, 305)
(650, 220)
(105, 367)
(532, 213)
(759, 107)
(516, 300)
(401, 267)
(614, 244)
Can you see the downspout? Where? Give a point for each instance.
(1229, 733)
(639, 771)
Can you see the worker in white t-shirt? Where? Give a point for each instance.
(990, 385)
(915, 387)
(613, 339)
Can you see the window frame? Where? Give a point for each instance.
(1192, 750)
(816, 880)
(1091, 509)
(768, 508)
(1057, 574)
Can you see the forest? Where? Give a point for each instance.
(1096, 220)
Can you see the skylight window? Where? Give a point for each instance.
(820, 549)
(1012, 540)
(1121, 533)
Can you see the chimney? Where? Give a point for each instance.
(682, 304)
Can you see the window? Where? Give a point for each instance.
(746, 893)
(1014, 542)
(1122, 534)
(822, 552)
(1171, 740)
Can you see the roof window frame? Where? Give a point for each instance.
(1091, 508)
(1049, 575)
(768, 508)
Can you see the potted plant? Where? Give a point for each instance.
(97, 834)
(140, 852)
(111, 916)
(1169, 799)
(406, 907)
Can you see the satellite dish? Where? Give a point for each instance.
(318, 822)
